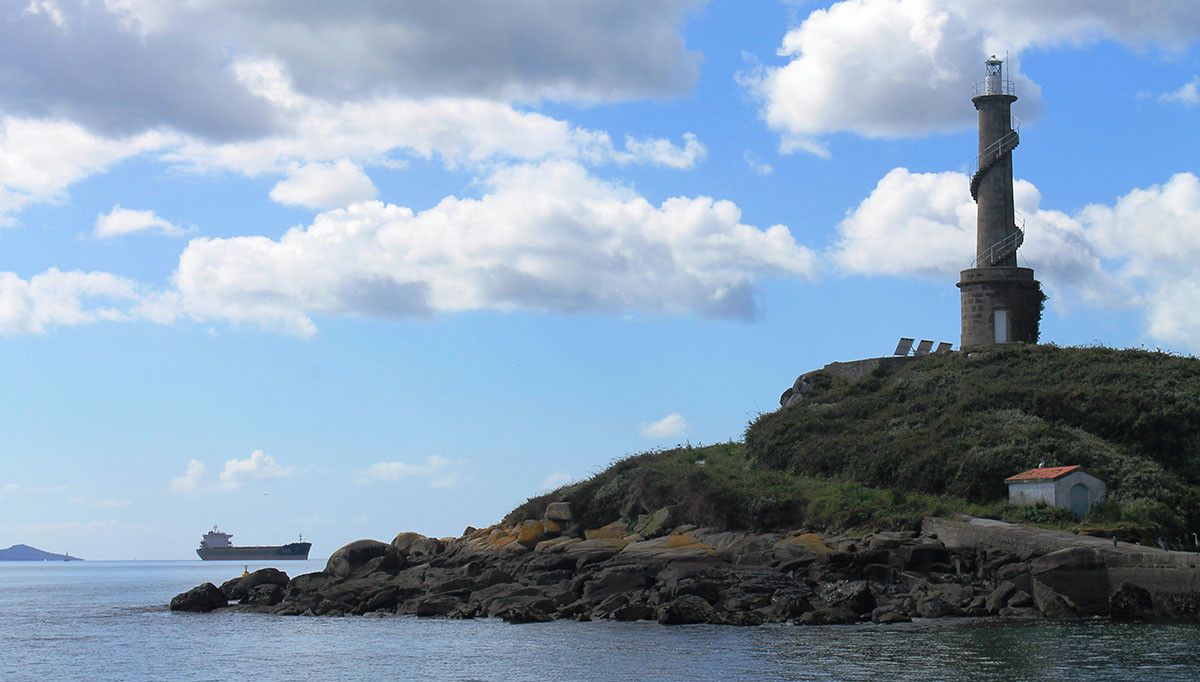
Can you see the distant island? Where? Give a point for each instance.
(27, 553)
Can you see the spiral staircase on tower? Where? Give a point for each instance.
(985, 162)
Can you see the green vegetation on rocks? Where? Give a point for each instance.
(719, 486)
(958, 424)
(935, 437)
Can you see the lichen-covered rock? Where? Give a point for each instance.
(531, 532)
(671, 547)
(597, 549)
(616, 530)
(555, 545)
(558, 511)
(800, 546)
(201, 599)
(654, 524)
(417, 548)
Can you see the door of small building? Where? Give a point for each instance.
(1079, 500)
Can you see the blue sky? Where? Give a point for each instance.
(399, 266)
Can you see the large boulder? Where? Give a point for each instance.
(829, 616)
(655, 524)
(440, 605)
(790, 603)
(530, 533)
(264, 595)
(856, 597)
(615, 580)
(558, 511)
(613, 531)
(1076, 575)
(800, 546)
(685, 610)
(506, 607)
(239, 588)
(999, 597)
(201, 599)
(925, 556)
(417, 548)
(1131, 602)
(669, 548)
(353, 557)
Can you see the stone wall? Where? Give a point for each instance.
(852, 370)
(986, 289)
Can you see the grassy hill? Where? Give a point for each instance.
(937, 436)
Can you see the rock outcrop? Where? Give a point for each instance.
(202, 598)
(545, 569)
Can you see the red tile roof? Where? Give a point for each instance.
(1043, 474)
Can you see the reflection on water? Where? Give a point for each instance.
(107, 620)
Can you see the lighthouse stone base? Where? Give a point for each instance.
(999, 305)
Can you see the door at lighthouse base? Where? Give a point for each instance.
(1000, 324)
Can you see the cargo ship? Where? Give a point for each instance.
(216, 546)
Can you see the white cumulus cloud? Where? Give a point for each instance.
(893, 68)
(324, 185)
(236, 473)
(1153, 233)
(59, 299)
(668, 427)
(1139, 251)
(121, 221)
(397, 470)
(257, 467)
(545, 237)
(661, 152)
(1187, 94)
(193, 479)
(924, 224)
(40, 159)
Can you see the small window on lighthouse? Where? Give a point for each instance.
(1000, 324)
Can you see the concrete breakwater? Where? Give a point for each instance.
(546, 569)
(1070, 574)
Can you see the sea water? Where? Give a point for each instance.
(109, 620)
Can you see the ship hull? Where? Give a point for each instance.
(296, 551)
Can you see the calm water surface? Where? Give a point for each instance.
(108, 620)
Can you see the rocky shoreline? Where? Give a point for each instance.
(542, 570)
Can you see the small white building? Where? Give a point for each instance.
(1068, 487)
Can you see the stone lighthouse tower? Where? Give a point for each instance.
(1001, 302)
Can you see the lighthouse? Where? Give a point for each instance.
(1001, 301)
